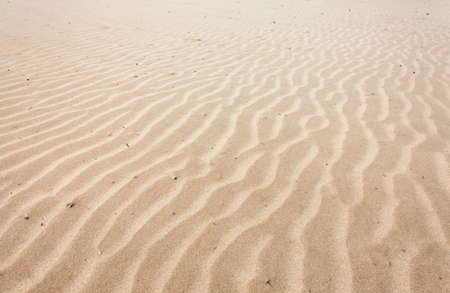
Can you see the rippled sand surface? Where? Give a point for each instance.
(224, 146)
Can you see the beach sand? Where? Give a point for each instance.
(225, 146)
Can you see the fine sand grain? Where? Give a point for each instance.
(225, 146)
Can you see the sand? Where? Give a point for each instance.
(224, 146)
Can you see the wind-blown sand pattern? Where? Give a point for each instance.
(224, 146)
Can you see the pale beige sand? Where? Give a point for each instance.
(224, 146)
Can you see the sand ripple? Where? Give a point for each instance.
(203, 147)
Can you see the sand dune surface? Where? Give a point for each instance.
(224, 146)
